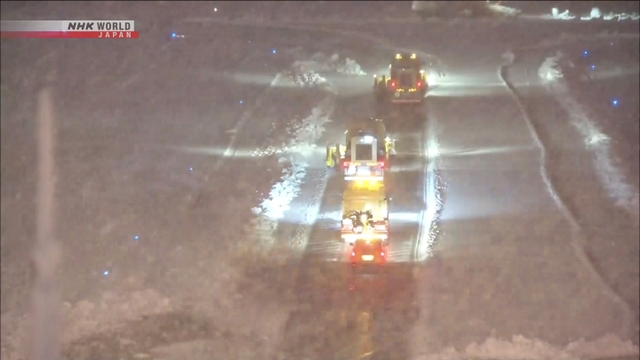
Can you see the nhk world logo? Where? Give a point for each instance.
(69, 29)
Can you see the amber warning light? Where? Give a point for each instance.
(68, 29)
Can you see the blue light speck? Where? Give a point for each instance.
(190, 169)
(173, 35)
(105, 273)
(136, 237)
(585, 53)
(240, 101)
(614, 102)
(593, 67)
(273, 51)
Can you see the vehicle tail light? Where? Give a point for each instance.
(393, 84)
(345, 164)
(381, 164)
(419, 84)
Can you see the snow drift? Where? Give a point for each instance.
(521, 348)
(307, 72)
(611, 177)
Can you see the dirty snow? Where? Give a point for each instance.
(87, 317)
(521, 348)
(611, 176)
(304, 136)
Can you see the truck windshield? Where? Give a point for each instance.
(364, 152)
(405, 79)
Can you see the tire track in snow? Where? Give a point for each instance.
(577, 236)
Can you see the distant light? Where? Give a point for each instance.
(136, 237)
(190, 169)
(593, 67)
(105, 273)
(273, 51)
(240, 101)
(585, 53)
(173, 35)
(614, 102)
(215, 9)
(611, 44)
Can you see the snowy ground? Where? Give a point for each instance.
(198, 221)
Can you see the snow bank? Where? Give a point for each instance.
(521, 348)
(282, 192)
(502, 10)
(611, 177)
(299, 78)
(304, 136)
(550, 69)
(307, 72)
(595, 14)
(565, 15)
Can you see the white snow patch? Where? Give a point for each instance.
(503, 10)
(611, 176)
(320, 62)
(550, 69)
(521, 348)
(283, 192)
(565, 15)
(298, 78)
(432, 197)
(594, 14)
(307, 72)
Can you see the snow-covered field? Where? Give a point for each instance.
(592, 139)
(197, 220)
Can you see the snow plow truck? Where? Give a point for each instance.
(363, 160)
(406, 83)
(366, 153)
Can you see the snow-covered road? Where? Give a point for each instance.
(199, 222)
